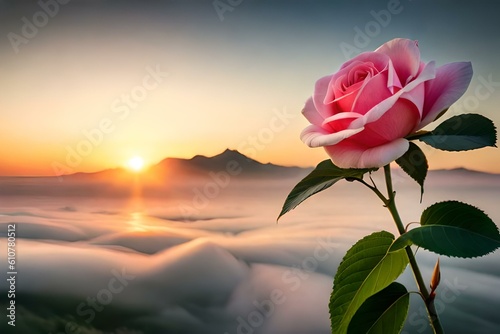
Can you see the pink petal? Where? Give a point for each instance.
(343, 81)
(350, 155)
(417, 96)
(315, 136)
(344, 103)
(311, 114)
(393, 82)
(340, 87)
(342, 91)
(342, 116)
(450, 84)
(372, 93)
(397, 122)
(380, 109)
(378, 60)
(339, 122)
(405, 56)
(320, 92)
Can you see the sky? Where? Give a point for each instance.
(87, 84)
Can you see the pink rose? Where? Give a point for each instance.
(362, 114)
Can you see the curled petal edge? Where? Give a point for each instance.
(315, 136)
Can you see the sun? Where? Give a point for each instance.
(136, 163)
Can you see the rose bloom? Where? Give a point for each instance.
(362, 114)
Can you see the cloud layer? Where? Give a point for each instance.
(123, 266)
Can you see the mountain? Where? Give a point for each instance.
(462, 171)
(173, 176)
(170, 176)
(462, 177)
(229, 161)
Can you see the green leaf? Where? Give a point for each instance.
(322, 177)
(453, 229)
(366, 269)
(461, 133)
(414, 163)
(383, 313)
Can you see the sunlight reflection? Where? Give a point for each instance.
(136, 203)
(136, 208)
(136, 222)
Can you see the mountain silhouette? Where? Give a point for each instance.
(174, 176)
(229, 160)
(170, 176)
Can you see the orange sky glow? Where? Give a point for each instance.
(92, 96)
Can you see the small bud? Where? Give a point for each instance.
(436, 277)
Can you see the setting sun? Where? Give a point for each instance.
(136, 164)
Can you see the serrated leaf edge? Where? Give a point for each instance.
(409, 242)
(388, 235)
(431, 134)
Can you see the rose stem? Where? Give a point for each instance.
(391, 205)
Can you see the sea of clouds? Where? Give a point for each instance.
(90, 264)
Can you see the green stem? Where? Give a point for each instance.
(391, 205)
